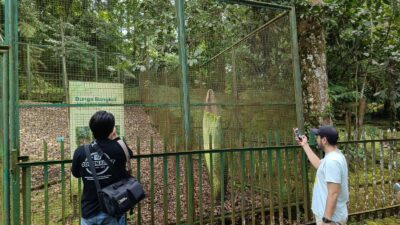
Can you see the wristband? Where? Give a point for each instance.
(326, 220)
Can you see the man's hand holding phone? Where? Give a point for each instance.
(301, 139)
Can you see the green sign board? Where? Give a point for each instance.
(87, 93)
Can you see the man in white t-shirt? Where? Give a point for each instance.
(331, 191)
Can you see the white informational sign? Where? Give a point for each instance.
(93, 93)
(87, 93)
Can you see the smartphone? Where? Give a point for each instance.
(297, 133)
(396, 187)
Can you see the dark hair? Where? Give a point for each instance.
(102, 124)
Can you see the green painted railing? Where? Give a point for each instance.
(263, 185)
(244, 197)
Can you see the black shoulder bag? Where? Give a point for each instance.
(119, 197)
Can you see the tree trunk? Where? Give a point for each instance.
(361, 113)
(392, 77)
(64, 63)
(348, 124)
(361, 110)
(315, 79)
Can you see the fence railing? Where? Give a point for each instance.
(254, 185)
(373, 170)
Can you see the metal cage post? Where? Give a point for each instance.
(5, 153)
(185, 101)
(298, 97)
(11, 37)
(296, 70)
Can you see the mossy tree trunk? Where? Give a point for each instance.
(312, 47)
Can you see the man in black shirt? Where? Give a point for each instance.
(102, 125)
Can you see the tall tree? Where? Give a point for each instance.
(312, 47)
(313, 60)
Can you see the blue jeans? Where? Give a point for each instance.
(103, 219)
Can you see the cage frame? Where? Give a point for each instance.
(10, 93)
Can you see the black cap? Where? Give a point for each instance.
(327, 131)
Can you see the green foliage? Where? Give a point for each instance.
(363, 50)
(362, 46)
(341, 93)
(385, 221)
(375, 107)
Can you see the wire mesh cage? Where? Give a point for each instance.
(90, 41)
(247, 64)
(252, 80)
(77, 57)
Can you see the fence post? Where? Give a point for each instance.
(165, 184)
(26, 192)
(177, 183)
(11, 39)
(5, 155)
(63, 187)
(139, 208)
(270, 179)
(305, 185)
(280, 176)
(46, 184)
(152, 215)
(304, 169)
(15, 186)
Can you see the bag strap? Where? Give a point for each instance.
(125, 148)
(91, 165)
(96, 146)
(128, 163)
(99, 151)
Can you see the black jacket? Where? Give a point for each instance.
(107, 175)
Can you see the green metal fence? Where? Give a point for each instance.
(258, 179)
(166, 67)
(263, 185)
(373, 169)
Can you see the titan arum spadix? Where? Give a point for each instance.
(212, 129)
